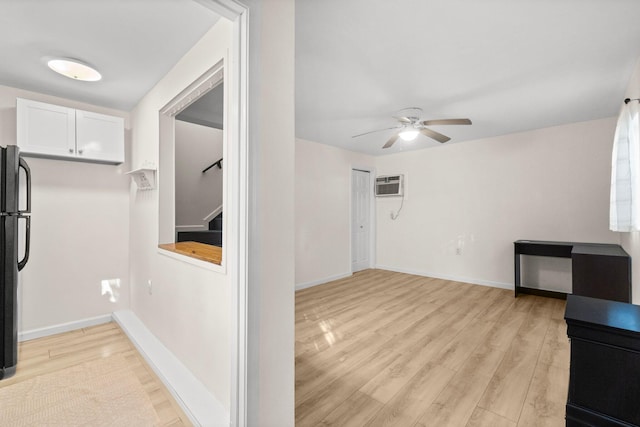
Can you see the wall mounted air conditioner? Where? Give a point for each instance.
(389, 185)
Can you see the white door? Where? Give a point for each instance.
(360, 219)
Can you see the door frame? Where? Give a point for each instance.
(372, 215)
(238, 198)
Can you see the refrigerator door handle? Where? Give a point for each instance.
(27, 240)
(23, 164)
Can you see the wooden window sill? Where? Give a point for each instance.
(208, 253)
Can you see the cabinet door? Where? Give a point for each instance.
(99, 137)
(45, 129)
(602, 276)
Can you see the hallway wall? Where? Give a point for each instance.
(188, 308)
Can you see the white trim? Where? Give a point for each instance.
(214, 76)
(305, 285)
(202, 408)
(229, 9)
(236, 198)
(240, 203)
(191, 228)
(213, 214)
(63, 327)
(197, 89)
(481, 282)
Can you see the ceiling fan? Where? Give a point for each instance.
(410, 125)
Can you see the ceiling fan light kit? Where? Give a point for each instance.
(409, 134)
(410, 125)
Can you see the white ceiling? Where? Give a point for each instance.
(133, 43)
(508, 65)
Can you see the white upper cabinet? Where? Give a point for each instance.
(99, 137)
(46, 130)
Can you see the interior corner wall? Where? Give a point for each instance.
(323, 216)
(478, 197)
(188, 308)
(197, 194)
(631, 241)
(79, 229)
(270, 323)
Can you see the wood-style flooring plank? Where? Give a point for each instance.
(458, 350)
(556, 348)
(356, 411)
(508, 388)
(67, 350)
(408, 403)
(321, 403)
(501, 302)
(482, 418)
(315, 376)
(455, 405)
(381, 348)
(545, 402)
(505, 329)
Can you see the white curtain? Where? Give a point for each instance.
(624, 212)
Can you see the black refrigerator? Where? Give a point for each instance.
(13, 210)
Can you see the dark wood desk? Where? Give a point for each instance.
(599, 270)
(604, 375)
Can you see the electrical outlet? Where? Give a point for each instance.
(149, 287)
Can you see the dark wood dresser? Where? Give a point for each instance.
(604, 382)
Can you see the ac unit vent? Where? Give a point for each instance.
(389, 185)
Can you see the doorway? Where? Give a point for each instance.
(361, 237)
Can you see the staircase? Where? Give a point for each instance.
(212, 236)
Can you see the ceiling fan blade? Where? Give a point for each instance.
(402, 119)
(446, 122)
(373, 131)
(391, 141)
(434, 135)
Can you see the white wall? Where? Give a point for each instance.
(323, 219)
(80, 229)
(197, 194)
(480, 196)
(188, 310)
(631, 241)
(270, 382)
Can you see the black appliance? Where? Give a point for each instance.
(12, 211)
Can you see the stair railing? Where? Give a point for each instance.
(218, 163)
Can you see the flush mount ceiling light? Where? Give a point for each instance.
(74, 69)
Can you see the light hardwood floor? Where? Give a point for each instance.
(391, 349)
(64, 351)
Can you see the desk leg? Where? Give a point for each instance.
(516, 268)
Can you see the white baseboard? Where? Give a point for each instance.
(305, 285)
(481, 282)
(63, 327)
(202, 408)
